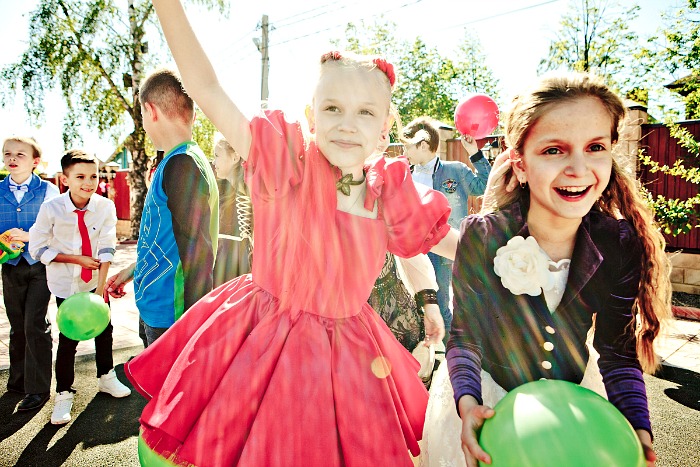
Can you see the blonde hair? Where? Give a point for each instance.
(28, 140)
(386, 76)
(621, 198)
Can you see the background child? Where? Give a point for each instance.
(291, 366)
(235, 215)
(606, 264)
(75, 234)
(180, 222)
(25, 291)
(405, 297)
(452, 178)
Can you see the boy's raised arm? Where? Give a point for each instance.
(199, 77)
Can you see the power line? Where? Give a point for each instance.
(498, 15)
(304, 12)
(344, 23)
(285, 21)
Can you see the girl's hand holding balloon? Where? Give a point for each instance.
(649, 454)
(473, 416)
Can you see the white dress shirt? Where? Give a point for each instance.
(51, 190)
(423, 174)
(56, 231)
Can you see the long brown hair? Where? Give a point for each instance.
(621, 199)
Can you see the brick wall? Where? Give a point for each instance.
(685, 276)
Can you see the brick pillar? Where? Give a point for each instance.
(630, 136)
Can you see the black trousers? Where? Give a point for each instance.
(26, 297)
(65, 357)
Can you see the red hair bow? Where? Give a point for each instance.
(387, 68)
(333, 55)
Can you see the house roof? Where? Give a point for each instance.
(680, 84)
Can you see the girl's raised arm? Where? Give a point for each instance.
(199, 77)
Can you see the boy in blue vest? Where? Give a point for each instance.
(180, 222)
(25, 291)
(454, 179)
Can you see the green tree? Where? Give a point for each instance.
(428, 86)
(474, 76)
(428, 82)
(595, 36)
(95, 53)
(679, 52)
(682, 53)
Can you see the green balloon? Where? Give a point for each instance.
(149, 458)
(82, 316)
(555, 423)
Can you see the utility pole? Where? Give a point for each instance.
(262, 45)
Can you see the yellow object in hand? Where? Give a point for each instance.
(9, 249)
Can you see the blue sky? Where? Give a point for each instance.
(515, 35)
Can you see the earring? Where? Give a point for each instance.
(523, 185)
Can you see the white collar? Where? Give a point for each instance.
(26, 182)
(428, 167)
(70, 207)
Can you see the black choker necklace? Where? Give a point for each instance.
(343, 184)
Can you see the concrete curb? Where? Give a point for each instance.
(686, 312)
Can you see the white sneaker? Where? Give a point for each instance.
(61, 408)
(111, 385)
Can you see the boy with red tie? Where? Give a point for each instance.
(75, 235)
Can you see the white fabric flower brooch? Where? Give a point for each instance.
(523, 267)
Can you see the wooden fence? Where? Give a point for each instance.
(663, 148)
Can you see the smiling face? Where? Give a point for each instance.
(567, 160)
(19, 160)
(349, 114)
(81, 180)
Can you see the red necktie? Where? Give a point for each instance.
(85, 274)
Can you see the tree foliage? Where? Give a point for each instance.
(429, 83)
(679, 52)
(473, 75)
(594, 36)
(95, 53)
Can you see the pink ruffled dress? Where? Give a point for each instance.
(290, 366)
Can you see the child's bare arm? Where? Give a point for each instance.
(86, 262)
(102, 278)
(447, 247)
(199, 77)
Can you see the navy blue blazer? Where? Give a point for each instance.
(506, 333)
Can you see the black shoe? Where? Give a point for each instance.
(33, 402)
(15, 389)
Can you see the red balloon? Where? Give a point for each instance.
(476, 116)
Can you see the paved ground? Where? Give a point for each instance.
(104, 430)
(124, 315)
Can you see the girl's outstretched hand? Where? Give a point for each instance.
(473, 416)
(434, 324)
(649, 453)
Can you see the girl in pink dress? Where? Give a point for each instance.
(290, 366)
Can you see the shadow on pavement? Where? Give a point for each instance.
(688, 391)
(12, 422)
(103, 421)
